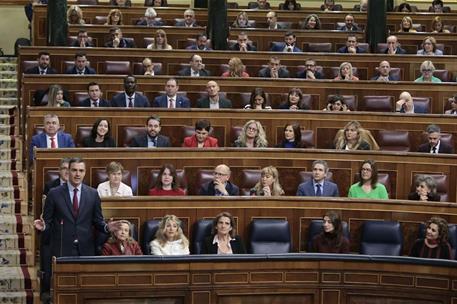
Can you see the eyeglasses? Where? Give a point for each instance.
(427, 70)
(251, 129)
(219, 174)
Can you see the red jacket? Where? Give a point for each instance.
(131, 248)
(191, 142)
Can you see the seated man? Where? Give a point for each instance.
(274, 69)
(170, 100)
(220, 185)
(83, 40)
(318, 186)
(384, 72)
(201, 43)
(81, 66)
(352, 46)
(196, 68)
(242, 44)
(44, 65)
(152, 138)
(95, 94)
(148, 67)
(63, 176)
(310, 70)
(201, 138)
(213, 100)
(393, 47)
(272, 21)
(51, 137)
(259, 4)
(189, 19)
(288, 45)
(116, 40)
(405, 104)
(435, 145)
(130, 98)
(349, 25)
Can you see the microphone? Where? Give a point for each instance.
(61, 235)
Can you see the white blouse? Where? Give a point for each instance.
(104, 190)
(169, 248)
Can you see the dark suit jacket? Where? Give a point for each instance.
(162, 102)
(36, 70)
(191, 142)
(143, 21)
(279, 47)
(101, 103)
(344, 50)
(390, 78)
(236, 244)
(208, 189)
(124, 43)
(400, 51)
(282, 73)
(236, 47)
(223, 103)
(307, 189)
(140, 101)
(142, 141)
(64, 140)
(302, 74)
(194, 47)
(87, 71)
(444, 148)
(62, 228)
(431, 197)
(345, 29)
(182, 23)
(75, 43)
(52, 184)
(186, 72)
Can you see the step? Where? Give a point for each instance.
(8, 59)
(16, 257)
(19, 297)
(7, 142)
(15, 241)
(16, 206)
(8, 92)
(9, 165)
(18, 278)
(8, 83)
(12, 179)
(8, 66)
(9, 101)
(8, 75)
(10, 154)
(8, 110)
(12, 224)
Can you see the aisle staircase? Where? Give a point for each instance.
(18, 283)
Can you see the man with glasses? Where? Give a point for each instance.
(189, 19)
(274, 69)
(352, 46)
(62, 179)
(220, 185)
(310, 71)
(393, 46)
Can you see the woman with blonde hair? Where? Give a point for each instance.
(429, 47)
(427, 68)
(121, 241)
(345, 72)
(406, 25)
(241, 20)
(56, 98)
(114, 17)
(236, 68)
(75, 15)
(268, 185)
(170, 239)
(114, 185)
(252, 136)
(354, 137)
(160, 41)
(438, 26)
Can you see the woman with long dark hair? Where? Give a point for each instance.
(331, 239)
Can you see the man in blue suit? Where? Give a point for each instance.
(51, 136)
(318, 186)
(130, 98)
(288, 45)
(170, 100)
(80, 67)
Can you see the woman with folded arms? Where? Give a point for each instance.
(223, 239)
(114, 185)
(425, 189)
(121, 242)
(100, 135)
(170, 239)
(167, 183)
(435, 245)
(268, 185)
(331, 239)
(368, 186)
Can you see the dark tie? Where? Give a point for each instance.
(53, 143)
(95, 104)
(130, 102)
(75, 203)
(42, 72)
(172, 104)
(289, 49)
(434, 150)
(318, 190)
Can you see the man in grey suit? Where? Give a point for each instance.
(151, 138)
(318, 186)
(213, 100)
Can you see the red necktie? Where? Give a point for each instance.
(75, 203)
(53, 143)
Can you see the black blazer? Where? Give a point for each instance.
(52, 184)
(87, 71)
(36, 70)
(186, 72)
(208, 189)
(236, 244)
(142, 141)
(431, 197)
(444, 148)
(101, 103)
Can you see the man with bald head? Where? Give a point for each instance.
(383, 73)
(213, 100)
(196, 68)
(220, 185)
(393, 46)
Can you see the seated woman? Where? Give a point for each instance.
(241, 20)
(311, 22)
(368, 186)
(427, 68)
(291, 5)
(75, 15)
(156, 3)
(292, 137)
(223, 239)
(150, 18)
(167, 183)
(100, 135)
(331, 239)
(336, 103)
(406, 25)
(258, 100)
(236, 68)
(252, 136)
(345, 72)
(404, 8)
(329, 5)
(114, 185)
(453, 109)
(429, 47)
(405, 103)
(425, 189)
(438, 26)
(160, 41)
(114, 17)
(121, 3)
(435, 245)
(170, 239)
(121, 242)
(201, 138)
(55, 97)
(268, 185)
(354, 137)
(294, 101)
